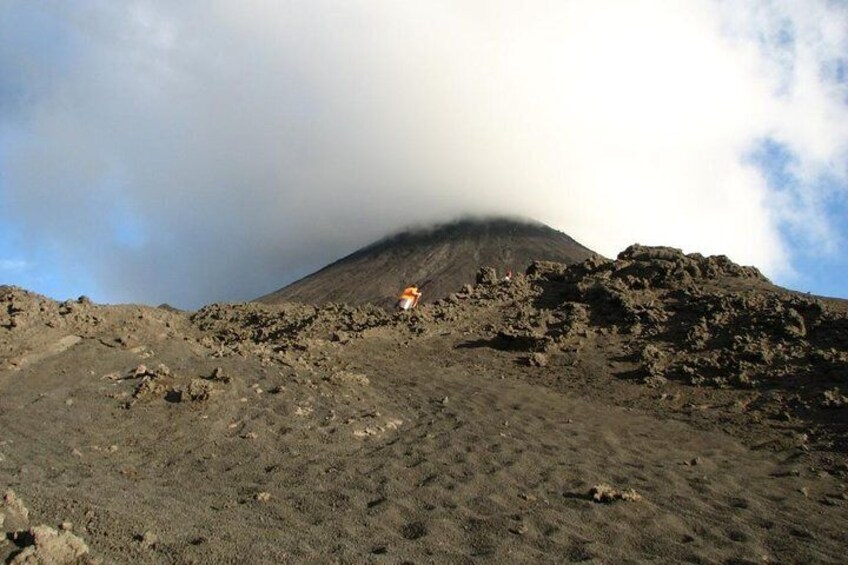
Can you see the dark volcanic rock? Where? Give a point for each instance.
(487, 275)
(703, 321)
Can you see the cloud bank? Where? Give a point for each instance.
(194, 151)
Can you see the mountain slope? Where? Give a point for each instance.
(660, 407)
(447, 255)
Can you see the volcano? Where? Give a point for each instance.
(441, 258)
(658, 407)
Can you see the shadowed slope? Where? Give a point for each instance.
(448, 256)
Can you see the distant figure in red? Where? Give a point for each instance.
(508, 276)
(409, 298)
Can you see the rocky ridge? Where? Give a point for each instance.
(666, 316)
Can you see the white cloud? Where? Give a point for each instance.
(13, 265)
(252, 141)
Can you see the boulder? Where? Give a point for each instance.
(487, 276)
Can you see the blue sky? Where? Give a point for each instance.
(186, 153)
(815, 269)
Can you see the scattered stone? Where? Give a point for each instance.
(127, 341)
(66, 526)
(149, 387)
(262, 496)
(198, 390)
(537, 360)
(49, 547)
(487, 276)
(519, 529)
(369, 431)
(345, 377)
(833, 398)
(606, 494)
(341, 337)
(393, 423)
(303, 410)
(219, 376)
(16, 514)
(655, 381)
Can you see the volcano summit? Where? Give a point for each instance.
(446, 257)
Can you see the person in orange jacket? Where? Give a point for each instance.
(409, 298)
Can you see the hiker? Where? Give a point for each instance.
(409, 298)
(508, 276)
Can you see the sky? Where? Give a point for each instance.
(193, 152)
